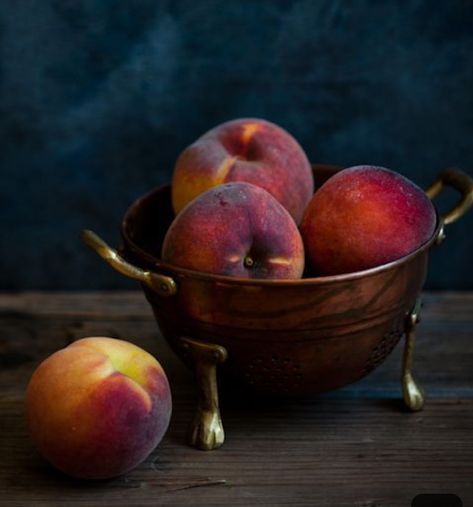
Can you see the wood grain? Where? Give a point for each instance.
(353, 447)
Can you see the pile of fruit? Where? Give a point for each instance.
(245, 206)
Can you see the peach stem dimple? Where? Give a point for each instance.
(248, 262)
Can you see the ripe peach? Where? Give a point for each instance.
(236, 229)
(98, 407)
(251, 150)
(365, 216)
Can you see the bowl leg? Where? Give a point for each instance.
(206, 429)
(412, 393)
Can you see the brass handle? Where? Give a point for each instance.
(163, 285)
(462, 183)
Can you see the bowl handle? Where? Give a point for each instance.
(460, 182)
(163, 285)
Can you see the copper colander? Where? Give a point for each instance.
(289, 337)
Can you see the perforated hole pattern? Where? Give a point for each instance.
(276, 373)
(384, 348)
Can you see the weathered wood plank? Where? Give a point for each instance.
(327, 452)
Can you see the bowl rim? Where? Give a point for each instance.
(167, 268)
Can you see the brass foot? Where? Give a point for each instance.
(206, 429)
(412, 393)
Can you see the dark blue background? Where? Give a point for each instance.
(99, 97)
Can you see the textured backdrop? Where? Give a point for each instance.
(99, 97)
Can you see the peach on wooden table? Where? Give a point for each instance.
(98, 407)
(250, 150)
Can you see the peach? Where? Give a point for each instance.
(98, 407)
(236, 229)
(363, 217)
(251, 150)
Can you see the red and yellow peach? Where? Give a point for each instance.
(236, 229)
(250, 150)
(363, 217)
(98, 407)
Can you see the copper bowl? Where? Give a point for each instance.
(287, 337)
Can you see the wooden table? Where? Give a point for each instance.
(354, 447)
